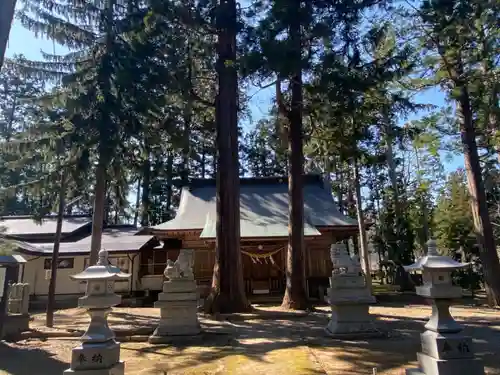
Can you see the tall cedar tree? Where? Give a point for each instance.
(451, 44)
(284, 44)
(102, 82)
(228, 292)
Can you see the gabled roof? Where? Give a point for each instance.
(18, 226)
(263, 208)
(119, 239)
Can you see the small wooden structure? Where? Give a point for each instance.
(10, 268)
(264, 234)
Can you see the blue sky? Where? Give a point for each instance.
(24, 42)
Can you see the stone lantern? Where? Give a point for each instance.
(445, 350)
(99, 353)
(349, 297)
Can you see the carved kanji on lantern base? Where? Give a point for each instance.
(99, 353)
(445, 350)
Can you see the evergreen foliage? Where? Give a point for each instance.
(141, 103)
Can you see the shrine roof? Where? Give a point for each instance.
(263, 208)
(114, 240)
(14, 226)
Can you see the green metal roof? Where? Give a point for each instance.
(263, 208)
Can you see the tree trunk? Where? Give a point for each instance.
(170, 162)
(493, 124)
(107, 204)
(391, 165)
(214, 164)
(228, 291)
(340, 178)
(146, 187)
(12, 115)
(117, 207)
(7, 8)
(49, 322)
(203, 159)
(424, 236)
(98, 214)
(295, 293)
(137, 202)
(187, 119)
(364, 254)
(482, 222)
(104, 157)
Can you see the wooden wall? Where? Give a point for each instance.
(258, 273)
(318, 256)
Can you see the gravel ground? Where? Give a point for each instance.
(257, 344)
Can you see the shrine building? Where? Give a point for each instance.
(144, 252)
(264, 234)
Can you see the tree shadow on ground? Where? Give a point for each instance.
(74, 322)
(263, 344)
(134, 320)
(256, 340)
(24, 361)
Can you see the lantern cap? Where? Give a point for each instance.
(435, 261)
(103, 270)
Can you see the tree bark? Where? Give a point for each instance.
(493, 124)
(187, 119)
(203, 160)
(170, 163)
(364, 254)
(227, 292)
(391, 165)
(49, 319)
(482, 222)
(339, 176)
(104, 154)
(295, 293)
(98, 214)
(146, 187)
(424, 236)
(7, 8)
(137, 202)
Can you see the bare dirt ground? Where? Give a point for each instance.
(266, 342)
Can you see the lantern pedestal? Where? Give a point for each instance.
(445, 350)
(99, 353)
(96, 359)
(178, 303)
(349, 298)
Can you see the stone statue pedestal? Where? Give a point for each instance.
(351, 319)
(349, 298)
(445, 350)
(350, 315)
(178, 303)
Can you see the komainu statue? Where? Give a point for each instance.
(182, 268)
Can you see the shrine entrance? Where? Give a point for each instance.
(264, 267)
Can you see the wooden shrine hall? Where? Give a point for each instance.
(264, 234)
